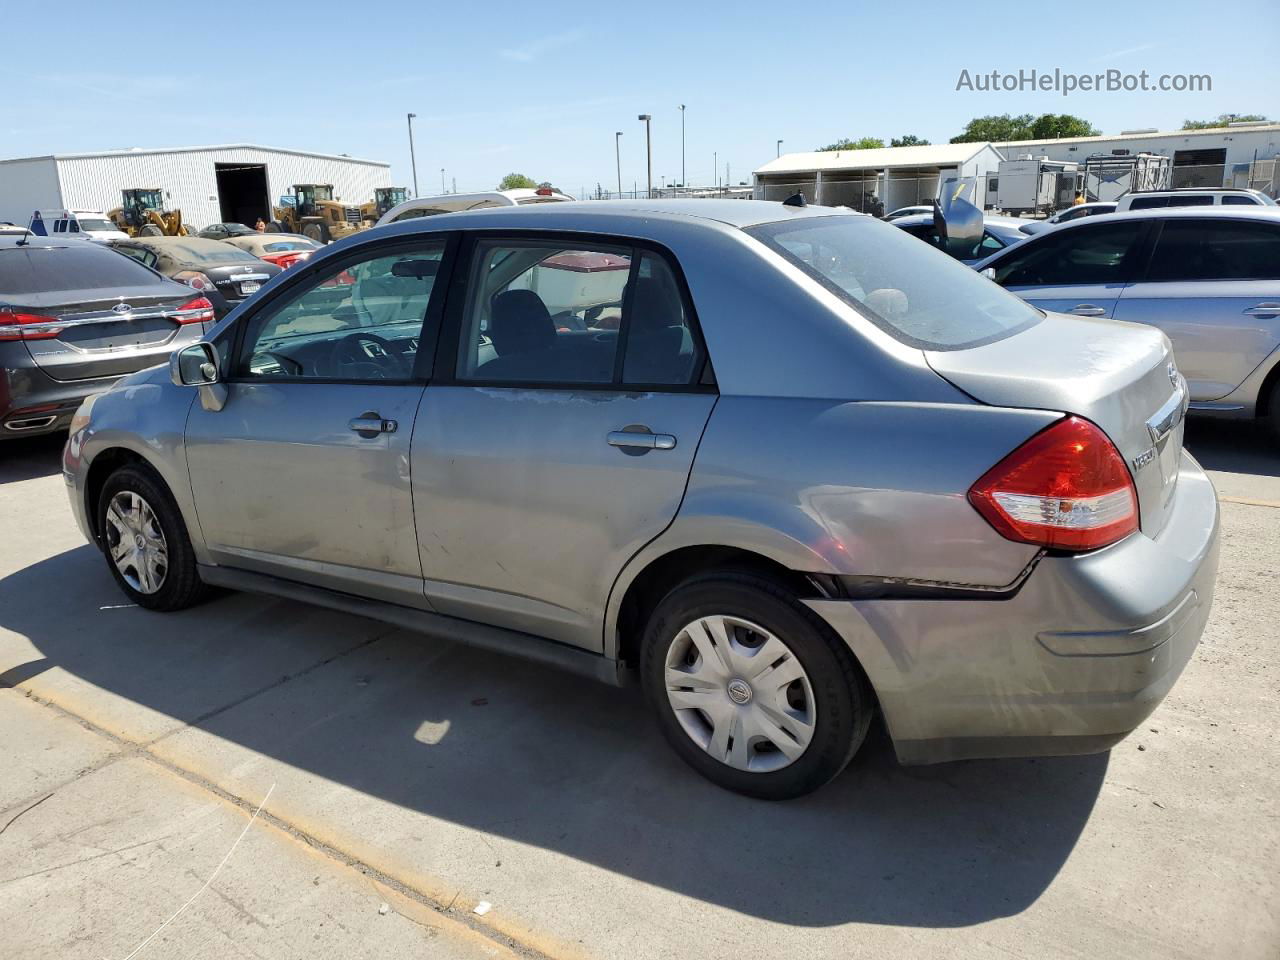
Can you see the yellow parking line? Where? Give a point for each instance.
(1250, 501)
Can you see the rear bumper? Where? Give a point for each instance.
(1070, 663)
(33, 404)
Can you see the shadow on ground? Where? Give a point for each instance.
(547, 759)
(1234, 446)
(31, 458)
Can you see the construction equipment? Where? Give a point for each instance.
(142, 214)
(384, 198)
(316, 215)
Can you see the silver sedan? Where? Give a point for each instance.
(787, 466)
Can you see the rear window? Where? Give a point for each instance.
(280, 246)
(917, 295)
(44, 269)
(215, 252)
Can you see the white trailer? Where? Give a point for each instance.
(1035, 185)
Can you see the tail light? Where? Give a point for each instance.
(28, 326)
(1066, 488)
(199, 310)
(194, 279)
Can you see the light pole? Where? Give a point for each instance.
(779, 153)
(715, 167)
(617, 156)
(683, 181)
(648, 146)
(442, 186)
(412, 161)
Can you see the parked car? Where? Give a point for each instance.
(282, 249)
(81, 224)
(1193, 197)
(1208, 277)
(909, 212)
(221, 231)
(74, 318)
(820, 470)
(998, 232)
(454, 202)
(1078, 212)
(221, 272)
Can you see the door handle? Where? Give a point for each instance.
(1263, 309)
(1088, 310)
(643, 441)
(369, 425)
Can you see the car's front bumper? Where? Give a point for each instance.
(1071, 662)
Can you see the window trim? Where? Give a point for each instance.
(423, 360)
(446, 360)
(1144, 275)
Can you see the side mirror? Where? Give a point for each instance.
(194, 366)
(989, 273)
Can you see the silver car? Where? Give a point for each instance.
(1209, 277)
(788, 466)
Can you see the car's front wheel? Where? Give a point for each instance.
(751, 688)
(146, 542)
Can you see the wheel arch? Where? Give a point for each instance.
(101, 467)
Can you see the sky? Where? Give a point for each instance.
(541, 88)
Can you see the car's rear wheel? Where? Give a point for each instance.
(751, 688)
(146, 542)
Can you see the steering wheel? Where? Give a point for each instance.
(350, 352)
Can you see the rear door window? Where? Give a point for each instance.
(1148, 203)
(1239, 200)
(1216, 250)
(1093, 253)
(1191, 200)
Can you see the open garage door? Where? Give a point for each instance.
(1199, 168)
(242, 192)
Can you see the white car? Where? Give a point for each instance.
(455, 202)
(85, 224)
(1193, 197)
(908, 211)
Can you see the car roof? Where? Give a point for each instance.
(161, 243)
(1268, 214)
(735, 213)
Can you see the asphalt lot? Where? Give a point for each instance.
(426, 778)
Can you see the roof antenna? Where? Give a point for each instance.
(795, 200)
(22, 241)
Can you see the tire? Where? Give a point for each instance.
(150, 230)
(830, 703)
(318, 232)
(173, 585)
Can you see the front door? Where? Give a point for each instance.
(304, 473)
(1213, 287)
(1080, 270)
(564, 440)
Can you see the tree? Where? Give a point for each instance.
(1054, 126)
(1222, 120)
(910, 140)
(1047, 126)
(516, 181)
(865, 143)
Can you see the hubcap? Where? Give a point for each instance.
(740, 693)
(136, 543)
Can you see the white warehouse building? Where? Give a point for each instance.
(229, 183)
(1239, 155)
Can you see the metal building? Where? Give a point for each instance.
(1238, 155)
(894, 176)
(228, 183)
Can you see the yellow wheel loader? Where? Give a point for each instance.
(384, 198)
(315, 214)
(142, 214)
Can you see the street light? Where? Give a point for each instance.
(412, 161)
(442, 186)
(648, 146)
(683, 181)
(779, 153)
(617, 156)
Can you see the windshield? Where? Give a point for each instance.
(147, 199)
(96, 223)
(914, 293)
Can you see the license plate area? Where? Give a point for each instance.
(248, 287)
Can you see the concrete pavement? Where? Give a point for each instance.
(458, 777)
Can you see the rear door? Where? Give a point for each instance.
(1213, 286)
(115, 316)
(559, 437)
(1081, 269)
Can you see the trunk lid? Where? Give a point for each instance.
(101, 339)
(1121, 376)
